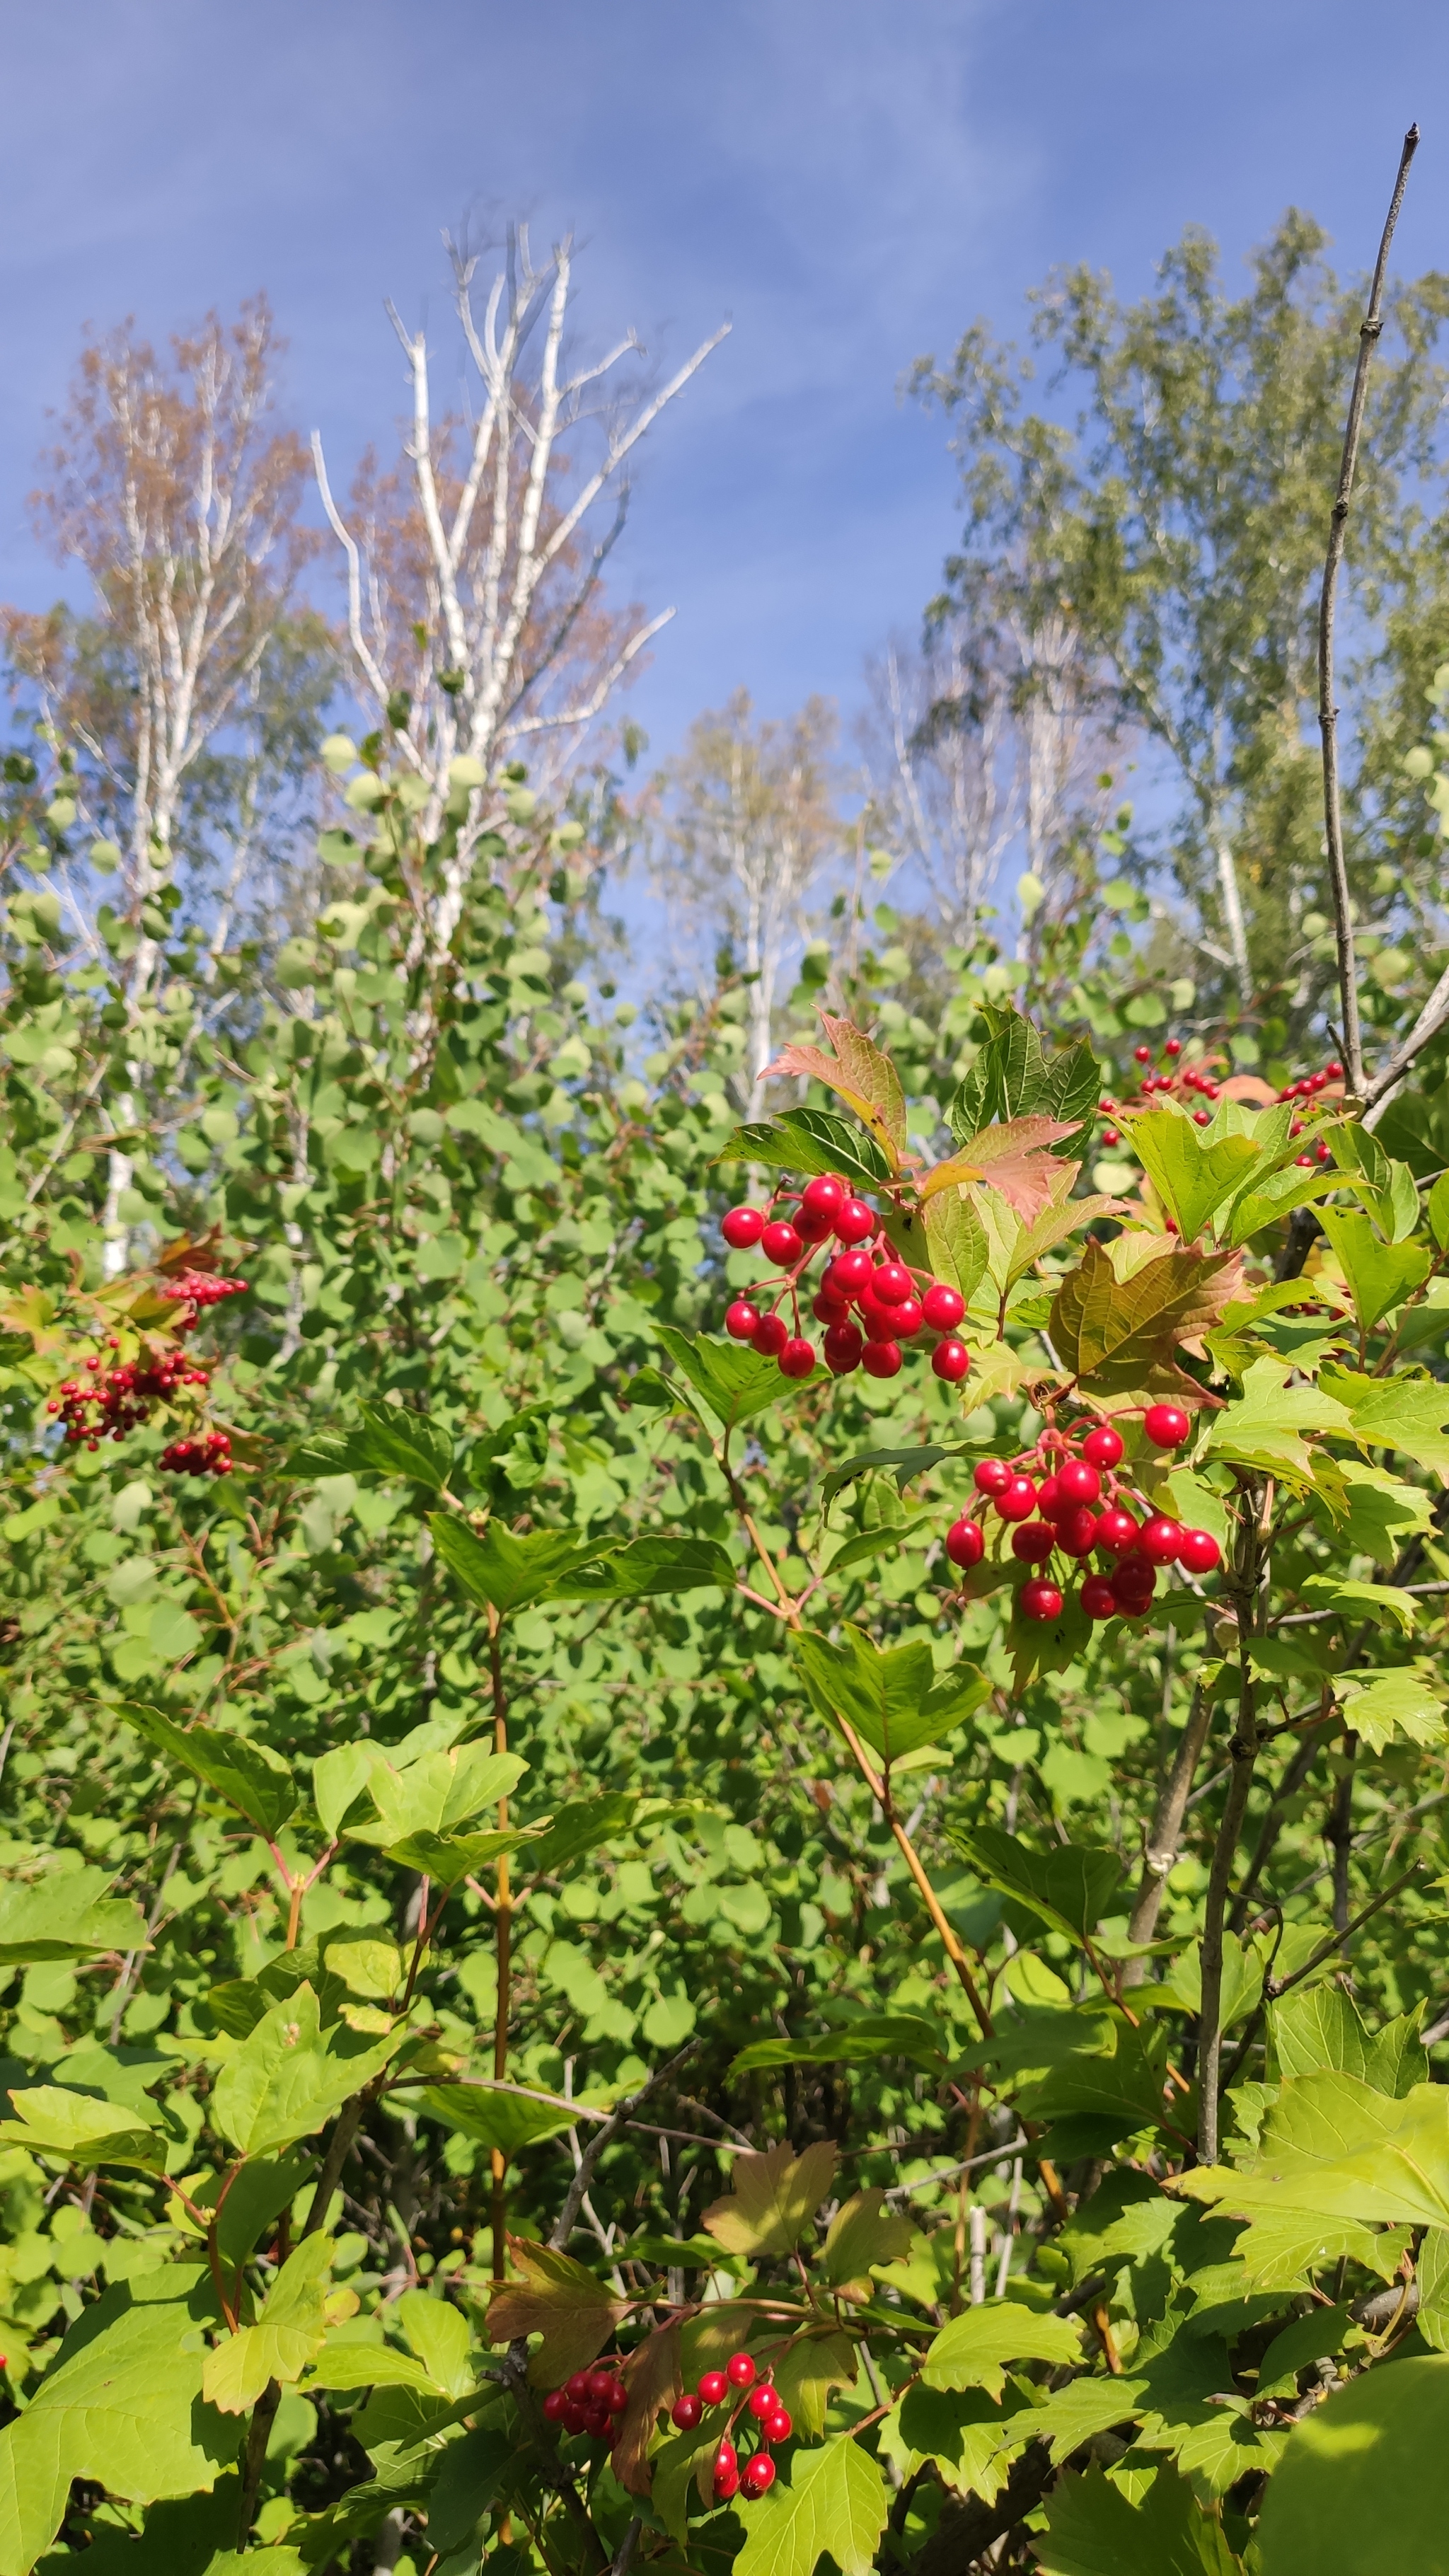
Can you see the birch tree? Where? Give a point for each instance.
(477, 622)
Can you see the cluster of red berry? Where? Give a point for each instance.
(761, 2400)
(208, 1456)
(1188, 1077)
(893, 1303)
(1056, 1516)
(199, 1288)
(590, 2402)
(120, 1399)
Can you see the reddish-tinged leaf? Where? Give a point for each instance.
(1117, 1334)
(1015, 1159)
(861, 1074)
(653, 2377)
(556, 2298)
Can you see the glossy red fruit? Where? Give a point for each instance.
(1116, 1531)
(879, 1322)
(1166, 1425)
(965, 1543)
(1018, 1502)
(1133, 1584)
(812, 1226)
(1098, 1599)
(1143, 1054)
(1334, 1070)
(908, 1318)
(828, 1309)
(555, 2406)
(1077, 1530)
(825, 1195)
(1039, 1600)
(951, 1361)
(740, 2370)
(882, 1359)
(1033, 1542)
(742, 1227)
(1199, 1552)
(596, 2422)
(1111, 1136)
(770, 1336)
(780, 2426)
(1078, 1481)
(992, 1476)
(759, 2475)
(892, 1282)
(578, 2388)
(763, 2401)
(943, 1306)
(726, 2473)
(618, 2397)
(575, 2417)
(848, 1273)
(843, 1346)
(741, 1319)
(782, 1244)
(601, 2387)
(712, 2387)
(797, 1359)
(856, 1222)
(1046, 1497)
(1159, 1539)
(686, 2412)
(1173, 1047)
(1103, 1447)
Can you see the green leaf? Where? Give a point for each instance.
(289, 2077)
(1365, 1601)
(809, 1141)
(347, 2362)
(857, 2043)
(120, 2406)
(397, 1442)
(1070, 1887)
(772, 2200)
(582, 1825)
(495, 2117)
(1379, 1706)
(735, 1382)
(1265, 1426)
(80, 2130)
(1379, 1275)
(66, 1915)
(553, 2296)
(1312, 2338)
(975, 2349)
(1363, 2483)
(290, 2331)
(893, 1700)
(904, 1464)
(255, 2195)
(448, 1859)
(1194, 1174)
(1432, 2274)
(648, 1568)
(1119, 1336)
(1335, 2148)
(250, 1776)
(434, 1795)
(507, 1572)
(834, 2504)
(1275, 1197)
(1093, 2529)
(1404, 1412)
(862, 2232)
(958, 1247)
(861, 1073)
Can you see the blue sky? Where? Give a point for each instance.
(848, 183)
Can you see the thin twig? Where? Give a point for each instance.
(563, 2226)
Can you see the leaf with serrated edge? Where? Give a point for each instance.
(861, 2233)
(862, 2042)
(1193, 1174)
(507, 1572)
(75, 2127)
(809, 1141)
(974, 2350)
(1120, 1335)
(249, 1775)
(1014, 1160)
(556, 2298)
(834, 2503)
(1410, 1414)
(289, 2332)
(289, 2077)
(772, 2200)
(1265, 1426)
(860, 1073)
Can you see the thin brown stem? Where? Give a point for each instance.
(1368, 336)
(1164, 1839)
(503, 1952)
(1247, 1570)
(1339, 1831)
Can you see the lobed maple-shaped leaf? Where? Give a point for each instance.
(1116, 1335)
(556, 2298)
(1015, 1159)
(863, 2232)
(773, 2199)
(653, 2376)
(862, 1075)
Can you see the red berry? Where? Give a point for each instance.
(882, 1359)
(601, 2386)
(856, 1222)
(1166, 1425)
(1159, 1539)
(1033, 1542)
(1046, 1498)
(1334, 1070)
(763, 2401)
(575, 2417)
(555, 2406)
(1078, 1481)
(1202, 1118)
(907, 1318)
(1103, 1447)
(741, 1319)
(1323, 1151)
(1018, 1502)
(797, 1359)
(1133, 1582)
(759, 2474)
(1173, 1047)
(1039, 1600)
(848, 1273)
(843, 1347)
(578, 2388)
(742, 1227)
(726, 2473)
(1116, 1531)
(1199, 1552)
(781, 1244)
(686, 2412)
(812, 1226)
(712, 2387)
(1077, 1531)
(770, 1336)
(892, 1283)
(992, 1476)
(1143, 1054)
(824, 1196)
(942, 1307)
(879, 1321)
(780, 2425)
(951, 1360)
(1098, 1599)
(596, 2422)
(740, 2370)
(618, 2396)
(1111, 1136)
(965, 1542)
(827, 1309)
